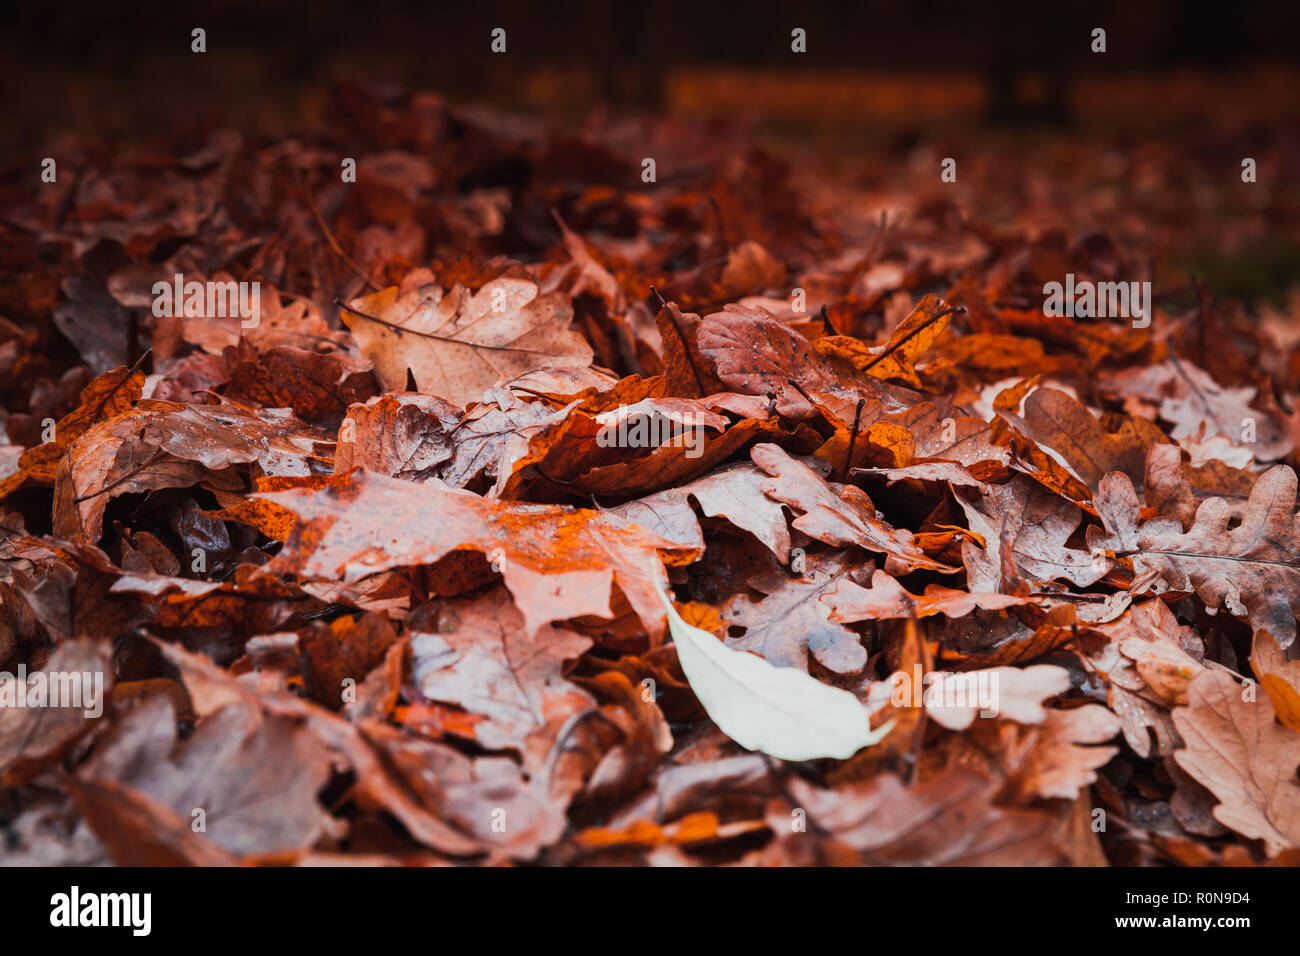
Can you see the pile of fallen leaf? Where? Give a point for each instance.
(367, 585)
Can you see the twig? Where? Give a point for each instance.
(853, 438)
(915, 332)
(431, 335)
(826, 321)
(329, 236)
(722, 225)
(130, 474)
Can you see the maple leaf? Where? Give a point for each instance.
(457, 344)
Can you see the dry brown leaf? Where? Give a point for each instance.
(458, 343)
(1279, 677)
(364, 523)
(1236, 749)
(1252, 569)
(844, 518)
(952, 820)
(886, 598)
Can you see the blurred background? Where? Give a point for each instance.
(905, 62)
(1147, 137)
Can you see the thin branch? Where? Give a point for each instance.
(913, 334)
(722, 225)
(432, 335)
(853, 438)
(130, 474)
(826, 321)
(329, 236)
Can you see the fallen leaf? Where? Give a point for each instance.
(459, 343)
(779, 711)
(1236, 750)
(1252, 569)
(363, 523)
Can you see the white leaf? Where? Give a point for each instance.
(776, 710)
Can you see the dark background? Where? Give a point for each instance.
(127, 66)
(439, 42)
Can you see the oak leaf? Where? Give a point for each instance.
(106, 396)
(482, 659)
(886, 598)
(254, 776)
(792, 621)
(734, 492)
(459, 343)
(1279, 677)
(1252, 569)
(950, 820)
(1237, 750)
